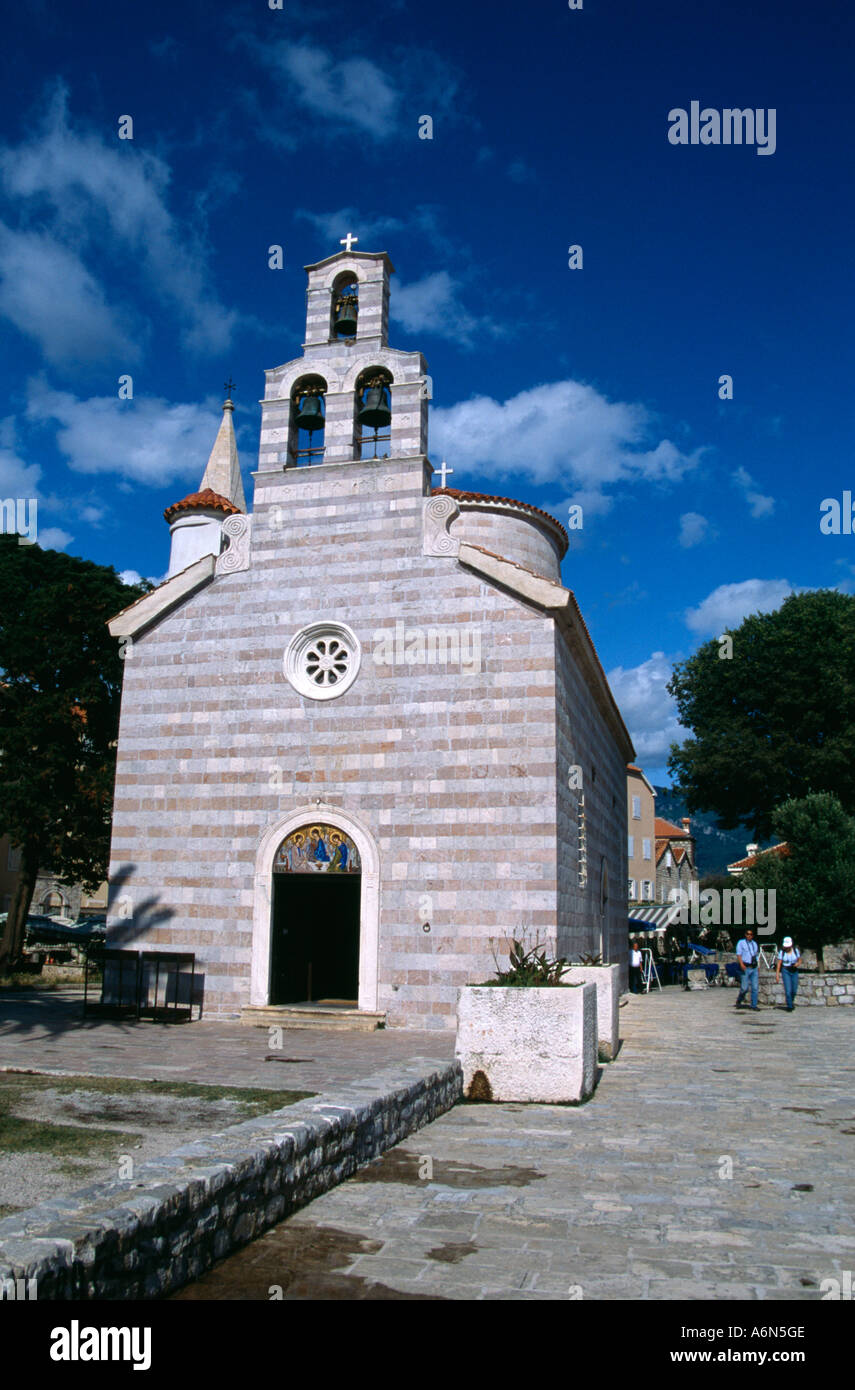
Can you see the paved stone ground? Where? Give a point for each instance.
(617, 1199)
(47, 1032)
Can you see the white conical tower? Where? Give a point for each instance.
(196, 522)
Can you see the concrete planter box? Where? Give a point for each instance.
(607, 980)
(528, 1044)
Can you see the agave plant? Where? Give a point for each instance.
(531, 968)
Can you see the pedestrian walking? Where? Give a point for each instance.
(747, 953)
(635, 981)
(788, 969)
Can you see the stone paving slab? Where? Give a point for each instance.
(623, 1197)
(47, 1032)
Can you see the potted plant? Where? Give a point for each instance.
(529, 1034)
(592, 970)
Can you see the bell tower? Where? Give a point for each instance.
(350, 398)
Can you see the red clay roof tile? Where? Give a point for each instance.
(509, 501)
(199, 500)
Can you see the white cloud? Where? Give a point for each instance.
(49, 295)
(563, 431)
(432, 305)
(353, 91)
(90, 197)
(648, 710)
(134, 577)
(335, 225)
(592, 502)
(53, 538)
(758, 504)
(423, 220)
(350, 92)
(694, 528)
(148, 440)
(727, 605)
(17, 478)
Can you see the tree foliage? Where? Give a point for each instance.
(774, 722)
(815, 880)
(59, 709)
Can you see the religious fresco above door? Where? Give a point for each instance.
(317, 849)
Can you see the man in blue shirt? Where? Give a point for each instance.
(747, 952)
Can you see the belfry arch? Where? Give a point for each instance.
(369, 899)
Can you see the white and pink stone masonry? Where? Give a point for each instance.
(459, 777)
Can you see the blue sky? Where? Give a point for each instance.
(255, 126)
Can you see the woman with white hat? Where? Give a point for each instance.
(787, 964)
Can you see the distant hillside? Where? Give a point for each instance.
(714, 848)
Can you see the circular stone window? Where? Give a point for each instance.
(322, 661)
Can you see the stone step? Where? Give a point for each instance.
(312, 1016)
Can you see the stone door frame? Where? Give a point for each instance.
(369, 899)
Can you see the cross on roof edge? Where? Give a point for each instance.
(444, 471)
(349, 241)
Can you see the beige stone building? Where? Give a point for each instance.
(641, 843)
(365, 734)
(51, 898)
(675, 859)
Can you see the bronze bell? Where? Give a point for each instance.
(310, 414)
(345, 316)
(375, 411)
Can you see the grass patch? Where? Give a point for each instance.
(6, 1210)
(96, 1101)
(253, 1100)
(79, 1141)
(24, 981)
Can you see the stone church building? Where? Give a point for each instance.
(365, 737)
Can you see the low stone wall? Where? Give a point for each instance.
(813, 989)
(148, 1236)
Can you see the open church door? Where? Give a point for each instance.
(316, 904)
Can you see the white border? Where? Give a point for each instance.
(369, 902)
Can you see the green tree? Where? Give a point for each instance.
(59, 712)
(815, 881)
(777, 719)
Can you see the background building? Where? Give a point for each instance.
(641, 817)
(675, 858)
(51, 898)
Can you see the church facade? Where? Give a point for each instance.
(365, 737)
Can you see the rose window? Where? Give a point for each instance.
(327, 662)
(322, 661)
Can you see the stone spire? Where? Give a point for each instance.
(222, 475)
(196, 522)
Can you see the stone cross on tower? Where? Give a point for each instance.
(349, 241)
(444, 472)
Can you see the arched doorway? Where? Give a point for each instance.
(271, 843)
(315, 917)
